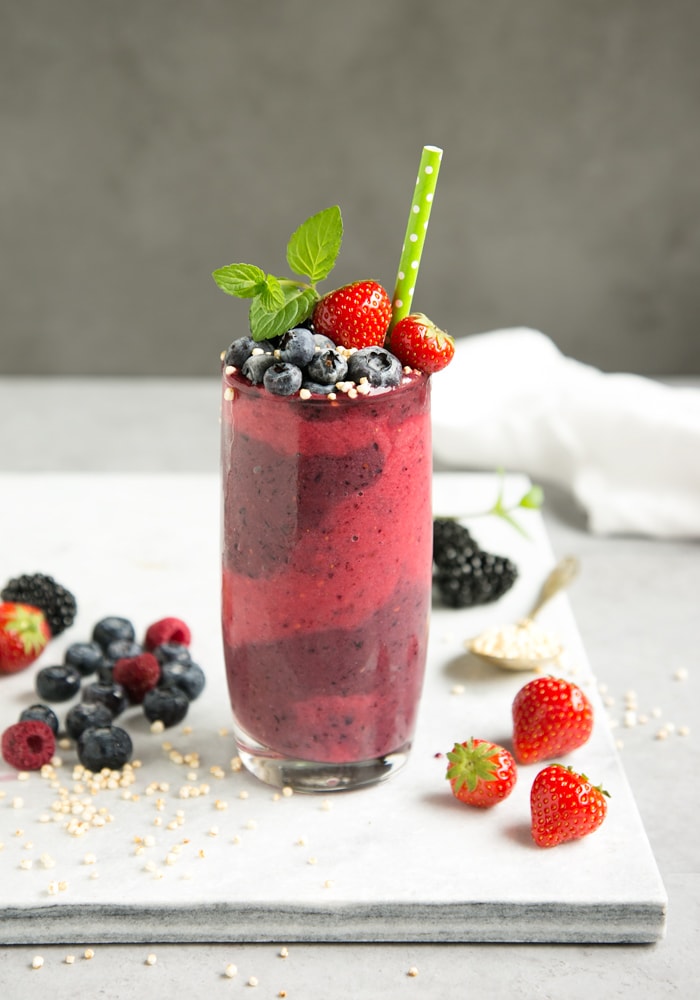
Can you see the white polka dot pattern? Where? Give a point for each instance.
(415, 231)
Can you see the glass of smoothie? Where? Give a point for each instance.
(327, 561)
(326, 521)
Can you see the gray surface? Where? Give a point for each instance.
(144, 144)
(636, 606)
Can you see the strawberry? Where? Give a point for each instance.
(24, 633)
(565, 806)
(551, 717)
(356, 315)
(418, 343)
(481, 773)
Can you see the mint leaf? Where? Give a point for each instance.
(243, 280)
(266, 323)
(313, 248)
(271, 295)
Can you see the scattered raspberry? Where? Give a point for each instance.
(28, 745)
(137, 675)
(167, 630)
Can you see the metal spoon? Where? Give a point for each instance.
(499, 641)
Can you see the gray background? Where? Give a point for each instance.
(143, 144)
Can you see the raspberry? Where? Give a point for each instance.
(137, 675)
(28, 745)
(167, 630)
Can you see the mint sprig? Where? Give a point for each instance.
(279, 303)
(532, 499)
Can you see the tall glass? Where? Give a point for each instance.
(327, 561)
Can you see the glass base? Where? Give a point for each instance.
(312, 776)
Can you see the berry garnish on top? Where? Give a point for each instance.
(418, 343)
(356, 315)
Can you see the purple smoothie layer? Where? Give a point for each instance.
(327, 561)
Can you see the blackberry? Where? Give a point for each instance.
(41, 591)
(466, 575)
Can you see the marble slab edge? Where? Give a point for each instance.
(488, 922)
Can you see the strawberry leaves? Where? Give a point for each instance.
(278, 304)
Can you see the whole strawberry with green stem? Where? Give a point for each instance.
(356, 315)
(24, 633)
(481, 773)
(551, 717)
(418, 343)
(564, 805)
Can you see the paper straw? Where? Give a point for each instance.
(416, 229)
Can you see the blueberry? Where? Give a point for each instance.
(168, 705)
(41, 713)
(105, 671)
(112, 695)
(104, 746)
(169, 652)
(282, 378)
(327, 367)
(255, 367)
(316, 388)
(84, 656)
(323, 343)
(239, 352)
(377, 365)
(86, 715)
(111, 628)
(119, 649)
(59, 683)
(297, 347)
(188, 677)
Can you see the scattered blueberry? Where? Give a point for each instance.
(239, 352)
(168, 705)
(255, 367)
(120, 649)
(111, 628)
(41, 713)
(377, 365)
(282, 378)
(297, 347)
(327, 367)
(112, 695)
(87, 715)
(104, 746)
(168, 652)
(58, 683)
(84, 656)
(188, 677)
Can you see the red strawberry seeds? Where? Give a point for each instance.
(418, 343)
(481, 773)
(28, 745)
(564, 806)
(356, 315)
(167, 630)
(551, 717)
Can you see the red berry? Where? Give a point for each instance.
(564, 806)
(28, 745)
(481, 773)
(137, 675)
(167, 630)
(418, 343)
(24, 633)
(356, 315)
(551, 717)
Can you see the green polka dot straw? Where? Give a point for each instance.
(415, 231)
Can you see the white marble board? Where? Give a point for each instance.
(402, 861)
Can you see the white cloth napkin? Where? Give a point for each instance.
(627, 447)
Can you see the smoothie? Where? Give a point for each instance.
(327, 558)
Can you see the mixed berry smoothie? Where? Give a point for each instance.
(327, 558)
